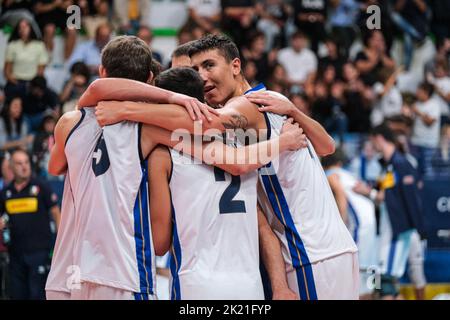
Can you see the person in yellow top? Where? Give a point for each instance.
(132, 13)
(26, 58)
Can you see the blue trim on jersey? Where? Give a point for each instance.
(83, 114)
(352, 212)
(175, 258)
(259, 87)
(142, 237)
(300, 260)
(390, 262)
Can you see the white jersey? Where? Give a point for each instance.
(109, 235)
(215, 248)
(301, 210)
(362, 221)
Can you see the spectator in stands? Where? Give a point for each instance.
(75, 86)
(28, 204)
(441, 158)
(180, 56)
(273, 15)
(205, 14)
(239, 19)
(278, 80)
(440, 80)
(343, 22)
(256, 52)
(146, 34)
(51, 16)
(440, 23)
(250, 72)
(38, 100)
(16, 4)
(13, 128)
(89, 52)
(333, 56)
(388, 101)
(132, 14)
(300, 100)
(25, 58)
(94, 13)
(410, 16)
(42, 145)
(355, 99)
(373, 58)
(427, 125)
(310, 17)
(298, 61)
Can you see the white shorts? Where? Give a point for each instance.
(93, 291)
(336, 278)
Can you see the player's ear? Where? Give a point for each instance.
(102, 72)
(150, 79)
(236, 65)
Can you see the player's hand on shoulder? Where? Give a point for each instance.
(293, 135)
(285, 294)
(271, 103)
(109, 112)
(196, 109)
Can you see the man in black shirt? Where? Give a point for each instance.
(25, 205)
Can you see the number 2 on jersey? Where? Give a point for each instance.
(226, 203)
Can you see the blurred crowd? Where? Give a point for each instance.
(318, 53)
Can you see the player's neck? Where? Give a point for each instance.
(242, 87)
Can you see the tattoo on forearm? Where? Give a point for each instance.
(236, 121)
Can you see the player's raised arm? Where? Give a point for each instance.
(58, 162)
(236, 161)
(323, 143)
(125, 89)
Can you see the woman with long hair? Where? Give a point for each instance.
(26, 58)
(13, 128)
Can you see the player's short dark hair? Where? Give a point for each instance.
(384, 131)
(337, 157)
(223, 44)
(427, 87)
(183, 80)
(127, 57)
(182, 50)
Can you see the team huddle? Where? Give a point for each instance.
(140, 184)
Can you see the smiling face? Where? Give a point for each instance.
(219, 75)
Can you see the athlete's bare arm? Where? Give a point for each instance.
(159, 165)
(126, 89)
(272, 258)
(323, 143)
(339, 195)
(58, 163)
(236, 161)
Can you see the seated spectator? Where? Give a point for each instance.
(343, 20)
(25, 59)
(373, 58)
(310, 17)
(89, 52)
(250, 72)
(298, 61)
(278, 79)
(388, 101)
(366, 166)
(38, 100)
(132, 14)
(75, 86)
(273, 15)
(355, 99)
(300, 100)
(13, 128)
(333, 57)
(441, 81)
(410, 16)
(239, 19)
(95, 13)
(427, 125)
(51, 15)
(42, 145)
(146, 34)
(256, 52)
(205, 13)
